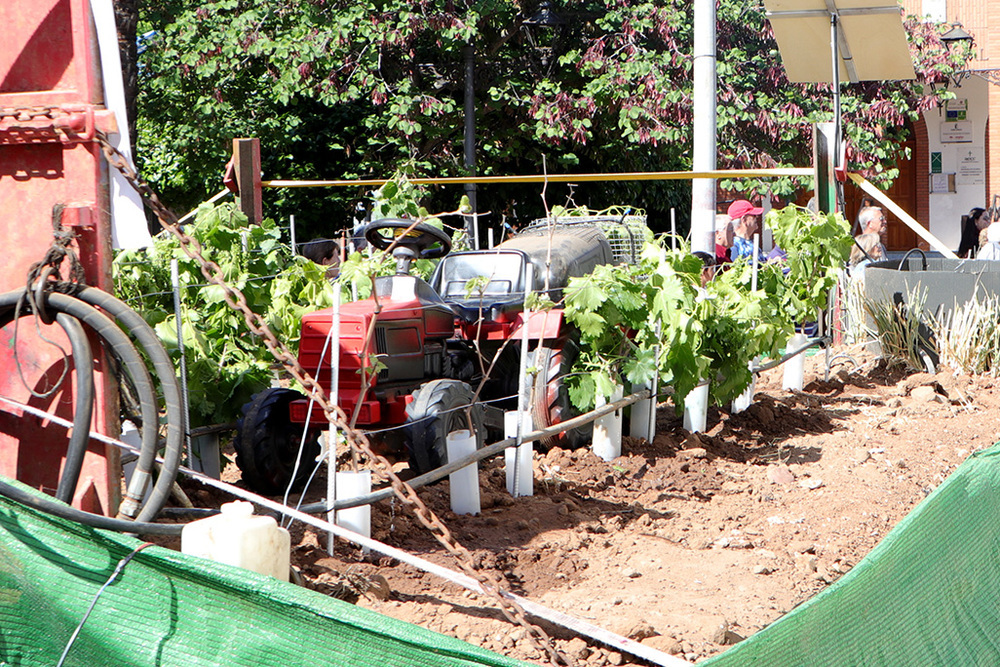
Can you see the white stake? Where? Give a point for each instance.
(185, 405)
(524, 388)
(331, 461)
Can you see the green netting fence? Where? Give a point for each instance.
(166, 608)
(928, 594)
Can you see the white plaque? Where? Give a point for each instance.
(958, 132)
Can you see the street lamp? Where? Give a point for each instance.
(545, 17)
(963, 39)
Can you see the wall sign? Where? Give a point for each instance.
(956, 132)
(956, 110)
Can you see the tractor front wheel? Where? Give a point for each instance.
(267, 443)
(439, 407)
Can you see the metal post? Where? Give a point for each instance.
(291, 232)
(470, 141)
(185, 404)
(331, 442)
(823, 162)
(704, 128)
(835, 50)
(247, 160)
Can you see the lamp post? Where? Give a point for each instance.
(472, 226)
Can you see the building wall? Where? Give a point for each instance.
(968, 160)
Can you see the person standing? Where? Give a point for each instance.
(746, 222)
(872, 221)
(973, 225)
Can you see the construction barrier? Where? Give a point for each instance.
(928, 594)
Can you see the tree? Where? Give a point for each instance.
(345, 89)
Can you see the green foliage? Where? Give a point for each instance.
(350, 90)
(654, 316)
(226, 364)
(817, 248)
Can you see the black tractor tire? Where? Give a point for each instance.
(551, 404)
(436, 411)
(267, 443)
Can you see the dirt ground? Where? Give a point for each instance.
(693, 541)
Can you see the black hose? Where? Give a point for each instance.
(166, 374)
(82, 307)
(83, 400)
(51, 506)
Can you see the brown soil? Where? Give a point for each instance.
(692, 541)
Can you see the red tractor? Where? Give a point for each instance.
(438, 348)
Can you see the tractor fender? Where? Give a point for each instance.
(542, 324)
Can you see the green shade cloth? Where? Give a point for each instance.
(166, 608)
(928, 594)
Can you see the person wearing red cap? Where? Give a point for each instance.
(746, 223)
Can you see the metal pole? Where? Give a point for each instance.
(291, 231)
(470, 141)
(185, 409)
(673, 228)
(704, 128)
(524, 388)
(331, 442)
(835, 50)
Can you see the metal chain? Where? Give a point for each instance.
(24, 114)
(490, 581)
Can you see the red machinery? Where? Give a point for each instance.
(50, 107)
(433, 345)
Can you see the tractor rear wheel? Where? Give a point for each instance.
(437, 409)
(551, 404)
(267, 443)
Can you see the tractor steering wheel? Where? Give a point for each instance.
(425, 241)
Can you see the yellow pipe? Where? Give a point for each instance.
(561, 178)
(921, 231)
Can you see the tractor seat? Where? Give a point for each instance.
(501, 289)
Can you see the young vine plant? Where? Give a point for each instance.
(226, 364)
(654, 317)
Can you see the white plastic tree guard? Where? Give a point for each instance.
(643, 420)
(696, 409)
(744, 400)
(517, 460)
(464, 483)
(795, 367)
(354, 484)
(608, 429)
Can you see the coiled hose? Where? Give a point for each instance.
(74, 304)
